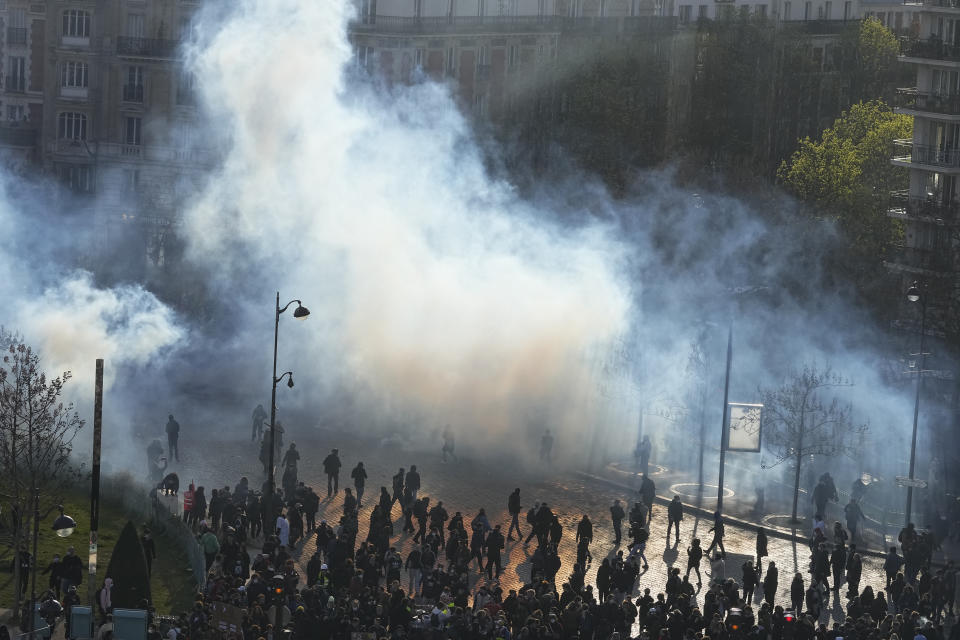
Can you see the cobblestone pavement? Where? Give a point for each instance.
(468, 485)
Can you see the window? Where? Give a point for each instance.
(365, 56)
(17, 31)
(132, 134)
(76, 23)
(762, 11)
(186, 28)
(17, 78)
(418, 58)
(480, 104)
(79, 178)
(846, 10)
(73, 75)
(482, 55)
(16, 112)
(513, 56)
(702, 12)
(72, 126)
(131, 181)
(133, 88)
(686, 11)
(786, 10)
(135, 25)
(828, 10)
(744, 11)
(807, 7)
(451, 61)
(186, 88)
(481, 7)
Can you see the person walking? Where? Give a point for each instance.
(854, 516)
(718, 533)
(398, 487)
(331, 466)
(259, 415)
(513, 508)
(71, 572)
(797, 593)
(359, 475)
(838, 563)
(694, 556)
(173, 436)
(449, 444)
(749, 581)
(891, 565)
(648, 492)
(546, 447)
(770, 582)
(494, 547)
(674, 516)
(617, 515)
(642, 453)
(761, 549)
(413, 481)
(638, 545)
(585, 536)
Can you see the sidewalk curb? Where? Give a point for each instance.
(779, 532)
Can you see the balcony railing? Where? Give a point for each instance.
(439, 24)
(133, 93)
(146, 47)
(927, 154)
(16, 35)
(932, 48)
(154, 153)
(910, 98)
(931, 210)
(948, 4)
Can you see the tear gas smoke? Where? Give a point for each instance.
(438, 294)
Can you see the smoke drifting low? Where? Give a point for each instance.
(438, 295)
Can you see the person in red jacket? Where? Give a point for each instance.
(187, 502)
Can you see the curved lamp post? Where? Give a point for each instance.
(300, 313)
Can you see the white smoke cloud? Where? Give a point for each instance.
(435, 285)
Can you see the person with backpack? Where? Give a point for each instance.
(513, 508)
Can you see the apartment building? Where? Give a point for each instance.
(22, 55)
(929, 208)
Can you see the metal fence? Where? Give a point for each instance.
(164, 514)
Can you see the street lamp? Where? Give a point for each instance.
(64, 526)
(300, 313)
(916, 294)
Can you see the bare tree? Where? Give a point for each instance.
(36, 435)
(801, 420)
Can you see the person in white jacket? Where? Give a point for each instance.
(283, 527)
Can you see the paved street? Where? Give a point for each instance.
(467, 485)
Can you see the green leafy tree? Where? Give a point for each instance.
(128, 569)
(877, 66)
(847, 176)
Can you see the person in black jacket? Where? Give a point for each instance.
(413, 481)
(331, 466)
(694, 556)
(761, 549)
(494, 545)
(617, 514)
(513, 508)
(718, 533)
(674, 516)
(797, 593)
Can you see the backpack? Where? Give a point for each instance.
(531, 516)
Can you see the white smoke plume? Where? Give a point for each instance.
(433, 288)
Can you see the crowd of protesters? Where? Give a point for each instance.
(365, 588)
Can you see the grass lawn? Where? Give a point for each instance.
(172, 585)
